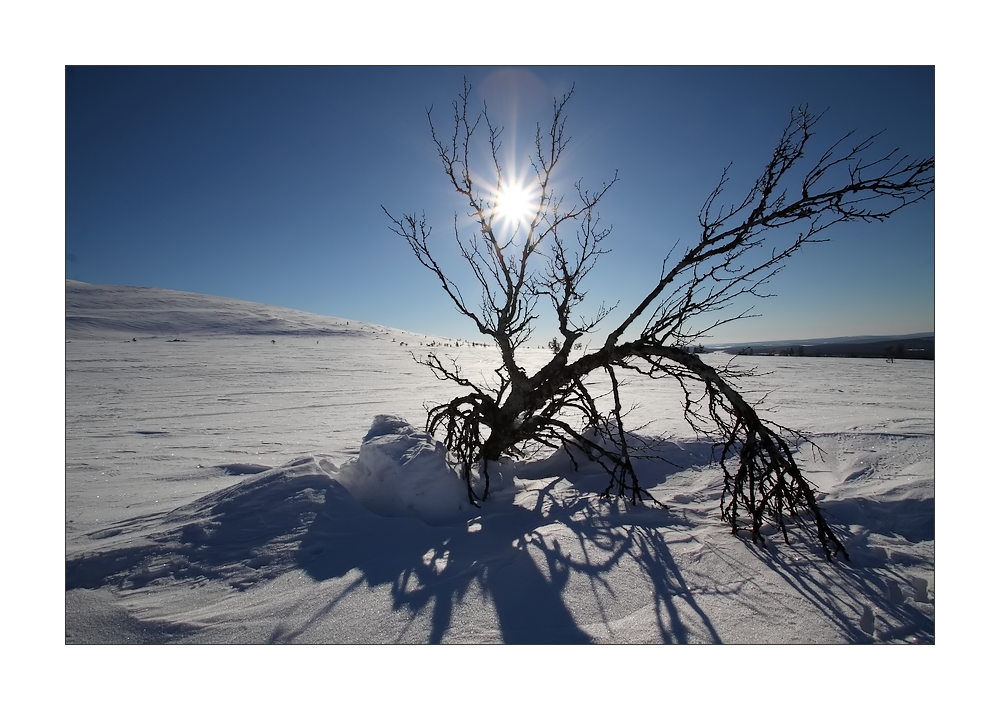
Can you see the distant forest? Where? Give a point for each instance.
(919, 347)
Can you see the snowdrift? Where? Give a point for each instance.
(401, 471)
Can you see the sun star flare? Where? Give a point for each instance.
(516, 204)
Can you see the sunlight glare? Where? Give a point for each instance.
(516, 203)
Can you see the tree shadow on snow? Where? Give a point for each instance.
(549, 562)
(554, 571)
(872, 597)
(546, 562)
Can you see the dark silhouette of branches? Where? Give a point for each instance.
(545, 259)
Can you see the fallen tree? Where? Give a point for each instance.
(739, 247)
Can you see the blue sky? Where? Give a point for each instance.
(265, 183)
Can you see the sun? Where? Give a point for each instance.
(516, 203)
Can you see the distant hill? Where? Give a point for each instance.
(108, 311)
(915, 346)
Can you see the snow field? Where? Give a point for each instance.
(227, 489)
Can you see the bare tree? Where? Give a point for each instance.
(545, 260)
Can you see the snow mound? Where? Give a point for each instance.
(403, 471)
(243, 535)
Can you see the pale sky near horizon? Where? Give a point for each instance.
(265, 183)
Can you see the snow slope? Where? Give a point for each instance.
(224, 488)
(98, 311)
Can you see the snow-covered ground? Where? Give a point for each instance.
(237, 473)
